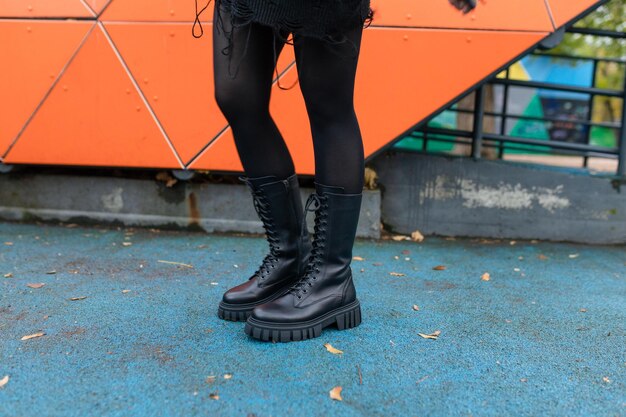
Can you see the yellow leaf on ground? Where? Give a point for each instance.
(416, 236)
(335, 394)
(125, 291)
(214, 396)
(485, 277)
(440, 268)
(397, 274)
(78, 298)
(4, 381)
(399, 238)
(434, 335)
(33, 336)
(127, 243)
(228, 376)
(332, 350)
(357, 258)
(37, 285)
(8, 275)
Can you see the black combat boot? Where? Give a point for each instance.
(279, 207)
(325, 295)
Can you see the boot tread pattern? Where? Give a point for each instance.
(343, 320)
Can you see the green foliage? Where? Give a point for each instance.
(609, 75)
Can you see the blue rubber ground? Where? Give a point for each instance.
(518, 344)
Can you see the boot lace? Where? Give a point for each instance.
(320, 207)
(261, 205)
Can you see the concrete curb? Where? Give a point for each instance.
(147, 203)
(458, 196)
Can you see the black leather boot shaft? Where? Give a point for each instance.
(279, 207)
(325, 294)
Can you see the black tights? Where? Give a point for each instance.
(326, 78)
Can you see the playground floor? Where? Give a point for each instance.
(125, 324)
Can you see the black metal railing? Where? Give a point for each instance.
(478, 140)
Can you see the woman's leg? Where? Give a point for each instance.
(244, 99)
(325, 294)
(326, 74)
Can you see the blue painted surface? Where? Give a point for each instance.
(516, 345)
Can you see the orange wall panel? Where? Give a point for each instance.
(156, 10)
(565, 10)
(97, 5)
(94, 116)
(529, 15)
(137, 91)
(43, 8)
(37, 53)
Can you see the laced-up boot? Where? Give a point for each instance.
(278, 205)
(325, 295)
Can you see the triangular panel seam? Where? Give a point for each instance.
(47, 94)
(142, 95)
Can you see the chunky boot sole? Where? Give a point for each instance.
(345, 317)
(241, 312)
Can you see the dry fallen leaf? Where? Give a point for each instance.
(399, 238)
(416, 236)
(176, 263)
(485, 277)
(542, 257)
(78, 298)
(8, 275)
(35, 286)
(583, 310)
(370, 178)
(440, 268)
(214, 396)
(422, 380)
(165, 177)
(335, 394)
(332, 350)
(51, 272)
(416, 307)
(434, 335)
(33, 336)
(8, 243)
(397, 274)
(606, 379)
(4, 381)
(228, 376)
(523, 379)
(357, 258)
(574, 255)
(127, 243)
(125, 291)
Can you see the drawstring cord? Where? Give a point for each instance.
(197, 20)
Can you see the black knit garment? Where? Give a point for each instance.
(323, 19)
